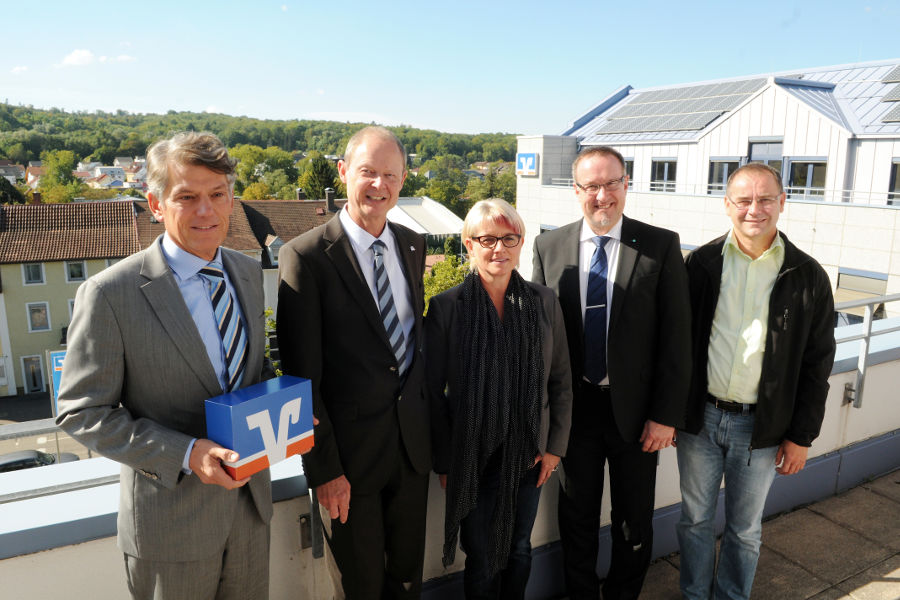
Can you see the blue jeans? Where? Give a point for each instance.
(721, 447)
(508, 584)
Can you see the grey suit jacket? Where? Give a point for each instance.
(135, 377)
(443, 365)
(649, 337)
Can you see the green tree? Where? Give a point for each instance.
(444, 275)
(58, 167)
(319, 173)
(447, 193)
(256, 191)
(9, 194)
(58, 193)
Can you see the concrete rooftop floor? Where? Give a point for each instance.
(846, 547)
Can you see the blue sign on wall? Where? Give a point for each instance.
(55, 361)
(526, 164)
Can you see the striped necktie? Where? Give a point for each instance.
(595, 315)
(387, 308)
(231, 329)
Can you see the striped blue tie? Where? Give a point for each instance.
(387, 308)
(231, 329)
(595, 315)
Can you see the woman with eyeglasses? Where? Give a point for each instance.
(499, 384)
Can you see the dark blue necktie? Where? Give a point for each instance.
(595, 315)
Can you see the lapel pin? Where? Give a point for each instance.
(412, 249)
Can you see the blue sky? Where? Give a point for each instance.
(521, 67)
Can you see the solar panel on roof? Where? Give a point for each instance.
(893, 116)
(893, 95)
(893, 76)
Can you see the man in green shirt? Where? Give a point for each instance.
(763, 348)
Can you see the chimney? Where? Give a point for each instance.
(301, 195)
(35, 198)
(329, 200)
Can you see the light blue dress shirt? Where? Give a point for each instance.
(195, 292)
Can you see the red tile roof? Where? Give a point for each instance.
(53, 232)
(285, 218)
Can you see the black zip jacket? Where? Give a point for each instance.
(799, 350)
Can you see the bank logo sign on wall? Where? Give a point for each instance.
(526, 164)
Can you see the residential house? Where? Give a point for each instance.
(46, 252)
(33, 176)
(12, 172)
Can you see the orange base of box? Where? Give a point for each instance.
(240, 471)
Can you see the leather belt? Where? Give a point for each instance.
(729, 406)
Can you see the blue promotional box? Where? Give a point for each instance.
(264, 423)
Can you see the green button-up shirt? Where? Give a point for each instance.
(737, 341)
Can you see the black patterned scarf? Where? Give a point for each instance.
(499, 407)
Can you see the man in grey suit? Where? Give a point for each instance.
(623, 290)
(147, 345)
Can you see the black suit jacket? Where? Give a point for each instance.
(648, 342)
(330, 331)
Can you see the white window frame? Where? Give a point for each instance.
(808, 191)
(893, 197)
(43, 280)
(111, 261)
(31, 329)
(717, 188)
(25, 385)
(71, 308)
(84, 272)
(665, 184)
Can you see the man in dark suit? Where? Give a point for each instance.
(350, 306)
(623, 291)
(145, 350)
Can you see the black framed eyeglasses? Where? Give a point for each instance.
(510, 240)
(610, 186)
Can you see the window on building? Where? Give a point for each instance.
(629, 169)
(75, 270)
(662, 176)
(33, 273)
(807, 178)
(894, 191)
(767, 153)
(38, 316)
(719, 171)
(111, 261)
(71, 308)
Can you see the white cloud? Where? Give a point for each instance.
(212, 108)
(124, 58)
(284, 7)
(18, 69)
(78, 58)
(320, 92)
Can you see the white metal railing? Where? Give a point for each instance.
(718, 189)
(851, 393)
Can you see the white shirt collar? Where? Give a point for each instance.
(588, 234)
(361, 238)
(182, 262)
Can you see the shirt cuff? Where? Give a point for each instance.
(186, 463)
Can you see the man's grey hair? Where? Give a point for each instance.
(373, 131)
(187, 148)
